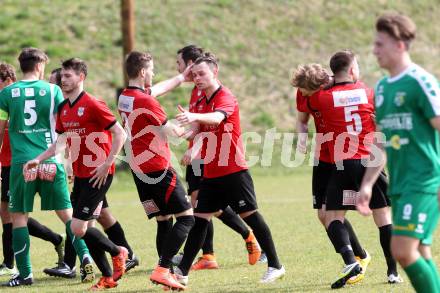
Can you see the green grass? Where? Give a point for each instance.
(285, 201)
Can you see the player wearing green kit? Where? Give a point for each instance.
(408, 114)
(30, 105)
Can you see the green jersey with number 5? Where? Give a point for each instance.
(30, 105)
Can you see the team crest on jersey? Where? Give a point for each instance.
(15, 93)
(399, 98)
(42, 92)
(80, 111)
(29, 92)
(64, 112)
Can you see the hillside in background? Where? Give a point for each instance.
(258, 42)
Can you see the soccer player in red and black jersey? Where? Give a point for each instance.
(160, 191)
(194, 169)
(347, 111)
(226, 179)
(95, 138)
(7, 77)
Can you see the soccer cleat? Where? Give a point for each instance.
(61, 270)
(206, 262)
(119, 263)
(60, 248)
(178, 275)
(263, 258)
(273, 274)
(394, 279)
(163, 277)
(19, 281)
(364, 262)
(177, 259)
(4, 270)
(131, 263)
(104, 283)
(348, 271)
(86, 270)
(253, 248)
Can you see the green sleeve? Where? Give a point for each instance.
(58, 97)
(4, 107)
(429, 97)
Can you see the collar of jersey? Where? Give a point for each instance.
(213, 95)
(400, 75)
(77, 99)
(130, 87)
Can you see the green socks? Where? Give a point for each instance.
(434, 271)
(79, 244)
(421, 276)
(20, 244)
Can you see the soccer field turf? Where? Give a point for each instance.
(285, 201)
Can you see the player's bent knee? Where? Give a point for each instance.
(78, 227)
(106, 218)
(64, 215)
(382, 216)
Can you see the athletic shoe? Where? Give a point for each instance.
(60, 248)
(177, 259)
(206, 262)
(4, 270)
(19, 281)
(61, 270)
(263, 258)
(86, 270)
(394, 279)
(163, 277)
(131, 263)
(253, 248)
(364, 262)
(104, 283)
(178, 275)
(348, 271)
(119, 263)
(273, 274)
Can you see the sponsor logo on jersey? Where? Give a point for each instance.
(29, 92)
(399, 98)
(125, 103)
(80, 111)
(397, 121)
(349, 98)
(42, 92)
(396, 142)
(15, 93)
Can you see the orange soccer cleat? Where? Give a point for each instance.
(104, 283)
(253, 248)
(119, 263)
(206, 262)
(163, 277)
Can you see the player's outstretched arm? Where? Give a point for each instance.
(101, 172)
(172, 129)
(168, 85)
(370, 177)
(49, 153)
(185, 117)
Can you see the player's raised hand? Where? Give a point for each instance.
(363, 202)
(30, 164)
(184, 117)
(187, 73)
(100, 175)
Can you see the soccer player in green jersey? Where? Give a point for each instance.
(408, 113)
(30, 105)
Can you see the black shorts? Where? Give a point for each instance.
(320, 179)
(343, 188)
(161, 193)
(5, 183)
(192, 178)
(87, 201)
(235, 190)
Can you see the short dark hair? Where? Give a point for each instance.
(190, 53)
(135, 61)
(57, 72)
(398, 26)
(209, 59)
(7, 71)
(76, 64)
(341, 61)
(30, 57)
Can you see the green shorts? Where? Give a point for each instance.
(415, 215)
(49, 180)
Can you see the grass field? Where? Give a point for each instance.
(285, 201)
